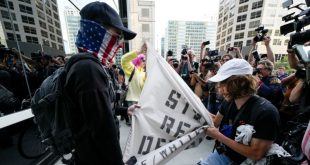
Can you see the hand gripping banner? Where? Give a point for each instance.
(170, 119)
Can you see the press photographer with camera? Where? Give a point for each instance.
(260, 36)
(185, 66)
(235, 52)
(269, 86)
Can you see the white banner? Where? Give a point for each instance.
(170, 117)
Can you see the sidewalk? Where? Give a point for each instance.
(187, 157)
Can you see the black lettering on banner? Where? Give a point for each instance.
(143, 162)
(180, 130)
(163, 153)
(172, 148)
(181, 142)
(185, 108)
(143, 143)
(159, 142)
(172, 102)
(197, 116)
(169, 125)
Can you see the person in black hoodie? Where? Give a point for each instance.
(90, 87)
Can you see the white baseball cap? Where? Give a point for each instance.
(232, 67)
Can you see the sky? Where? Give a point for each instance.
(185, 10)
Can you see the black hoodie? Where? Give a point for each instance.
(87, 85)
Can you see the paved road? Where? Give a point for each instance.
(187, 157)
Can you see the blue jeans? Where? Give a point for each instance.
(216, 159)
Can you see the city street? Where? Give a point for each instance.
(187, 157)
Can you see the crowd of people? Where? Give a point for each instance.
(236, 89)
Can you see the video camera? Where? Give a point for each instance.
(298, 38)
(298, 23)
(261, 33)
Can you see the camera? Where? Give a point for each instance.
(303, 52)
(256, 71)
(206, 43)
(256, 56)
(261, 33)
(213, 53)
(300, 74)
(183, 57)
(230, 49)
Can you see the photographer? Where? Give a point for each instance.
(270, 55)
(269, 86)
(235, 52)
(185, 67)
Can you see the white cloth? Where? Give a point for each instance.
(244, 136)
(170, 118)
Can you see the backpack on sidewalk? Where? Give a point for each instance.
(50, 109)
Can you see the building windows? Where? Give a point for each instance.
(52, 36)
(42, 24)
(5, 14)
(10, 36)
(56, 16)
(54, 45)
(276, 42)
(240, 27)
(48, 11)
(57, 24)
(145, 12)
(224, 26)
(32, 39)
(25, 9)
(41, 15)
(44, 33)
(239, 35)
(229, 30)
(28, 20)
(256, 14)
(286, 42)
(146, 28)
(51, 29)
(223, 33)
(30, 30)
(256, 5)
(225, 18)
(243, 1)
(223, 41)
(59, 40)
(238, 44)
(231, 22)
(243, 9)
(241, 18)
(248, 42)
(3, 4)
(26, 1)
(277, 33)
(54, 8)
(252, 33)
(228, 39)
(49, 20)
(46, 43)
(8, 26)
(58, 32)
(254, 24)
(60, 47)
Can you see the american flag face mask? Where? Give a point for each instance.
(93, 38)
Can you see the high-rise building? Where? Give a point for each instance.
(238, 20)
(141, 19)
(36, 25)
(189, 34)
(72, 19)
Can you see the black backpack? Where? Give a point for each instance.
(50, 109)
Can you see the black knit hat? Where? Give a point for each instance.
(102, 13)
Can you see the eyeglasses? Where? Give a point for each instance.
(226, 59)
(260, 68)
